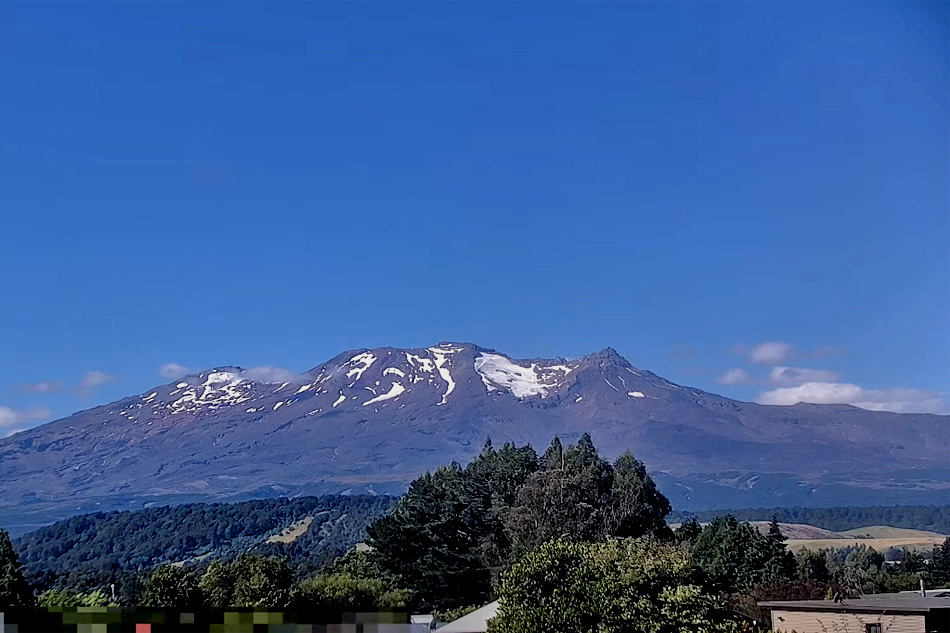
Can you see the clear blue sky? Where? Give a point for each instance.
(234, 183)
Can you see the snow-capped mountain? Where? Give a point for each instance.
(372, 420)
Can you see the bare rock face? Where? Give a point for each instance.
(372, 420)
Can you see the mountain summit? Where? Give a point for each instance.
(371, 420)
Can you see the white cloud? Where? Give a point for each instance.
(47, 386)
(897, 400)
(11, 419)
(770, 353)
(94, 378)
(270, 374)
(795, 376)
(735, 376)
(262, 373)
(171, 371)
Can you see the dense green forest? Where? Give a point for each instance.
(930, 518)
(94, 550)
(562, 539)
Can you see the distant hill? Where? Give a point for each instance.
(371, 420)
(797, 531)
(886, 531)
(935, 519)
(879, 537)
(92, 550)
(801, 536)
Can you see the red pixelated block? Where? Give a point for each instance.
(141, 627)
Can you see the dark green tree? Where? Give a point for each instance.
(492, 482)
(455, 531)
(780, 564)
(14, 590)
(812, 565)
(171, 587)
(636, 506)
(431, 539)
(736, 556)
(568, 498)
(912, 562)
(688, 532)
(576, 495)
(940, 565)
(861, 572)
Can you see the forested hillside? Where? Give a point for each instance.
(94, 549)
(930, 518)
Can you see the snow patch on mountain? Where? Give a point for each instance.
(499, 372)
(425, 364)
(389, 395)
(220, 389)
(361, 363)
(440, 360)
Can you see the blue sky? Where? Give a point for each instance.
(234, 183)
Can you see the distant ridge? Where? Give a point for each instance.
(841, 519)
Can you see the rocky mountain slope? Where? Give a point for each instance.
(371, 420)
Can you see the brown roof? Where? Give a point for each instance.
(864, 605)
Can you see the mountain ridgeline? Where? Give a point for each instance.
(370, 421)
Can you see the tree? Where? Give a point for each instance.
(636, 506)
(812, 565)
(456, 530)
(362, 563)
(567, 498)
(248, 581)
(59, 598)
(940, 565)
(780, 563)
(65, 598)
(859, 569)
(14, 590)
(171, 586)
(346, 593)
(688, 532)
(618, 586)
(432, 538)
(217, 584)
(492, 481)
(736, 557)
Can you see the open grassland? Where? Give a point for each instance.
(880, 537)
(886, 531)
(292, 533)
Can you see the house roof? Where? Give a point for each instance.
(474, 622)
(867, 604)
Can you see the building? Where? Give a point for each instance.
(882, 613)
